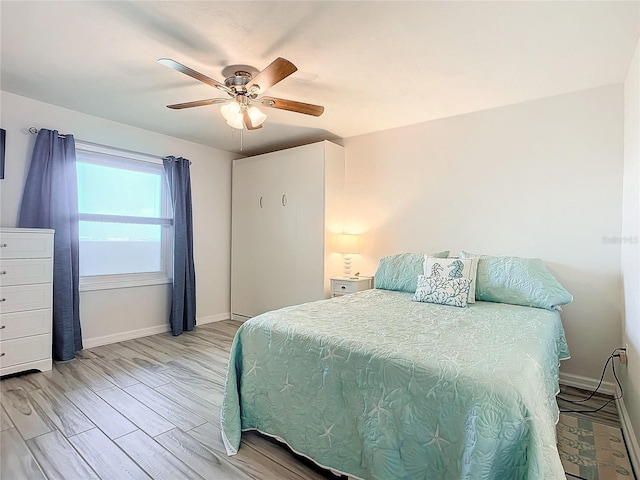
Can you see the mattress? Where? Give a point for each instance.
(377, 386)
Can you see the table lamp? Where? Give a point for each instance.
(347, 244)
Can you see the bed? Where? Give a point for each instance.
(377, 386)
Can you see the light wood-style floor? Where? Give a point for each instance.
(137, 409)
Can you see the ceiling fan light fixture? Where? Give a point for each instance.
(256, 116)
(232, 113)
(236, 123)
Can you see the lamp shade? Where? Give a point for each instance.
(230, 111)
(256, 116)
(347, 243)
(236, 123)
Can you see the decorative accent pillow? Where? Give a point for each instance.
(443, 290)
(453, 268)
(400, 271)
(518, 281)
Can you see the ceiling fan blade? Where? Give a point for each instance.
(167, 62)
(198, 103)
(292, 106)
(247, 120)
(278, 70)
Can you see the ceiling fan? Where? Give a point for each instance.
(244, 90)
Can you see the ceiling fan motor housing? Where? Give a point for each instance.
(238, 81)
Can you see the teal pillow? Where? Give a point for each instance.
(400, 271)
(518, 281)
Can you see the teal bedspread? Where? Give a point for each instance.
(380, 387)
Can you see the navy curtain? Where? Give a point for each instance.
(50, 200)
(183, 302)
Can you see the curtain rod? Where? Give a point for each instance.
(35, 130)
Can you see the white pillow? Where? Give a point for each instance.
(453, 268)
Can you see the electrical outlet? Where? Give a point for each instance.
(623, 356)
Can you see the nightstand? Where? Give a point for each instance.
(344, 286)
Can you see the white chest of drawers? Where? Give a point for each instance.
(26, 290)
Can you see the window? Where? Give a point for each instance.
(124, 220)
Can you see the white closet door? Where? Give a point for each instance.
(270, 243)
(307, 245)
(261, 233)
(247, 204)
(278, 229)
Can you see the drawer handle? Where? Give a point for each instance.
(343, 287)
(2, 245)
(284, 200)
(3, 299)
(2, 327)
(3, 272)
(2, 354)
(260, 202)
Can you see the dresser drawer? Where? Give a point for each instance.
(23, 324)
(25, 297)
(23, 350)
(26, 245)
(20, 271)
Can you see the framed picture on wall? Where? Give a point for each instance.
(3, 135)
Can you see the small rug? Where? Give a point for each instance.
(592, 450)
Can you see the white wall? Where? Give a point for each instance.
(538, 179)
(111, 315)
(630, 375)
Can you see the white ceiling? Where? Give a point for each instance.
(373, 65)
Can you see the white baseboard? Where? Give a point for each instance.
(586, 383)
(145, 332)
(629, 435)
(122, 336)
(213, 318)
